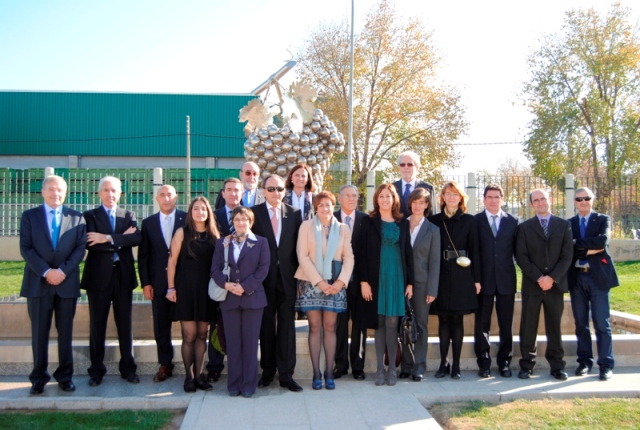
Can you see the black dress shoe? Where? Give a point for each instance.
(213, 376)
(417, 378)
(606, 373)
(560, 375)
(404, 375)
(358, 375)
(291, 385)
(505, 372)
(189, 386)
(337, 373)
(202, 384)
(582, 370)
(265, 381)
(94, 381)
(525, 374)
(37, 388)
(484, 373)
(67, 386)
(131, 378)
(443, 370)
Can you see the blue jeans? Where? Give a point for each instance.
(584, 294)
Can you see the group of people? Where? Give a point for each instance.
(283, 248)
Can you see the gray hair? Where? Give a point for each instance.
(345, 186)
(115, 181)
(52, 178)
(414, 157)
(586, 190)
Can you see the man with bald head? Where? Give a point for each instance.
(252, 195)
(153, 254)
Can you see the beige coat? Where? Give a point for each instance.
(306, 249)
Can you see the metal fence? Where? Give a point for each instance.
(20, 190)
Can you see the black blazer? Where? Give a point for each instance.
(37, 250)
(99, 264)
(497, 254)
(283, 257)
(222, 221)
(538, 255)
(153, 253)
(597, 236)
(354, 286)
(368, 264)
(419, 184)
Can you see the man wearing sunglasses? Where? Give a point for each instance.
(279, 223)
(408, 165)
(252, 195)
(590, 280)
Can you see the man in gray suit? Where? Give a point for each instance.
(52, 242)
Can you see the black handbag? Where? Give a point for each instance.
(408, 329)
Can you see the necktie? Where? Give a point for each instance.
(245, 199)
(167, 231)
(494, 226)
(274, 222)
(55, 228)
(407, 191)
(231, 228)
(545, 227)
(348, 221)
(112, 220)
(583, 231)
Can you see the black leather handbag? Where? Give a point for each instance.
(408, 329)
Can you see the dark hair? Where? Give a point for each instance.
(493, 187)
(241, 210)
(265, 180)
(395, 208)
(323, 195)
(420, 194)
(464, 198)
(234, 180)
(189, 228)
(309, 186)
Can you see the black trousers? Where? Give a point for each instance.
(354, 352)
(162, 322)
(216, 359)
(278, 334)
(41, 311)
(99, 304)
(504, 313)
(553, 304)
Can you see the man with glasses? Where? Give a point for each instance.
(544, 248)
(591, 278)
(279, 223)
(409, 165)
(252, 195)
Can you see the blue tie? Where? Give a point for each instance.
(112, 220)
(583, 232)
(407, 191)
(545, 227)
(55, 228)
(232, 229)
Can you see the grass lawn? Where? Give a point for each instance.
(592, 414)
(113, 420)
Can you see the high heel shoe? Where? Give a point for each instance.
(202, 384)
(317, 384)
(455, 372)
(189, 386)
(444, 369)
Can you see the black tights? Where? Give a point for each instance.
(194, 346)
(322, 324)
(450, 330)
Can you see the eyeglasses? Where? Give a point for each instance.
(250, 173)
(272, 189)
(406, 164)
(579, 199)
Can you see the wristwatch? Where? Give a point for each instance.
(109, 239)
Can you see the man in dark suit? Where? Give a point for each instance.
(279, 223)
(544, 248)
(52, 242)
(591, 277)
(497, 231)
(153, 254)
(409, 165)
(252, 195)
(348, 199)
(231, 193)
(109, 277)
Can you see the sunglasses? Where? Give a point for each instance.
(405, 164)
(250, 173)
(272, 189)
(579, 199)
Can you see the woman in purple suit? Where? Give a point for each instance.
(248, 258)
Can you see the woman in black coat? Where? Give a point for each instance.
(459, 285)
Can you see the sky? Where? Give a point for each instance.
(225, 46)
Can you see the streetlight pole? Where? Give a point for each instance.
(350, 135)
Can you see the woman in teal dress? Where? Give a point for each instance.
(384, 266)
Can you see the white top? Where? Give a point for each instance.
(500, 214)
(415, 231)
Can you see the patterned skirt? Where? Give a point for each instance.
(311, 298)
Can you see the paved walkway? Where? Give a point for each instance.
(354, 404)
